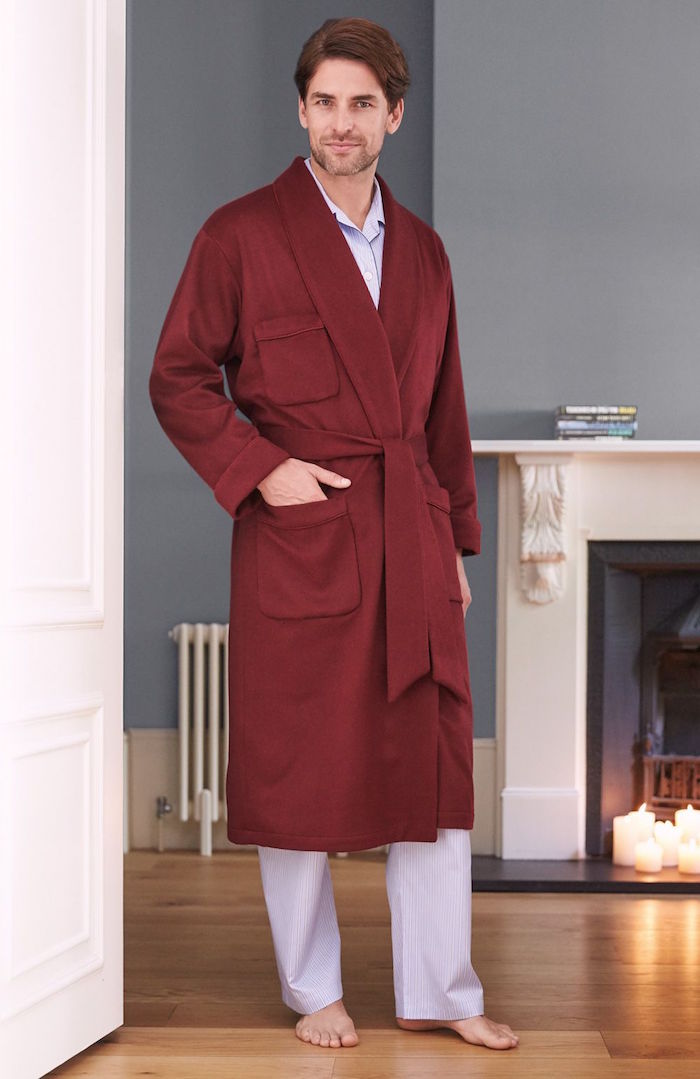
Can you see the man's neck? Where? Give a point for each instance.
(353, 194)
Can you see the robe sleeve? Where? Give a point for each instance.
(449, 445)
(186, 384)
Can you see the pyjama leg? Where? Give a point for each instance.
(300, 904)
(429, 892)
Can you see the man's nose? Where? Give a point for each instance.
(343, 121)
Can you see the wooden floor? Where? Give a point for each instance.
(596, 986)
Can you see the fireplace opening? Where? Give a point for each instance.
(643, 699)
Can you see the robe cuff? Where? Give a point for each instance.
(237, 488)
(467, 534)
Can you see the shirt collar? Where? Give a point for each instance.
(375, 216)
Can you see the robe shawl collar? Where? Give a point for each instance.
(375, 345)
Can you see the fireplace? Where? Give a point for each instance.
(643, 706)
(589, 534)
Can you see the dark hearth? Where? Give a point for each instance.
(577, 875)
(643, 731)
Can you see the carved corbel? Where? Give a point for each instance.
(542, 516)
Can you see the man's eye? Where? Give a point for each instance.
(364, 103)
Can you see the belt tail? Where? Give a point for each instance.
(447, 653)
(408, 651)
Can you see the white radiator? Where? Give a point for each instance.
(202, 723)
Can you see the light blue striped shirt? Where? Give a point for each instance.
(367, 243)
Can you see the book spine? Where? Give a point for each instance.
(619, 427)
(623, 410)
(571, 435)
(597, 417)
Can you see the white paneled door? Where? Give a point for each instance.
(62, 67)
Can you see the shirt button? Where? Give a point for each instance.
(368, 275)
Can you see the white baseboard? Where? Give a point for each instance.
(152, 771)
(540, 822)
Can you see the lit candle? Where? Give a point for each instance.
(648, 856)
(624, 839)
(644, 819)
(689, 856)
(688, 820)
(668, 838)
(628, 830)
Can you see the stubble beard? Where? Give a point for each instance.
(359, 161)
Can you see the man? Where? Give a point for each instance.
(330, 306)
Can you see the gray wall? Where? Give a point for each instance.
(211, 114)
(567, 188)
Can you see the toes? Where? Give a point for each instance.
(505, 1038)
(335, 1042)
(316, 1037)
(350, 1038)
(325, 1039)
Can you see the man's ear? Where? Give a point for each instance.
(302, 113)
(395, 117)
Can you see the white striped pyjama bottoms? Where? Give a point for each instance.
(429, 892)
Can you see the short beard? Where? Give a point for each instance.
(342, 167)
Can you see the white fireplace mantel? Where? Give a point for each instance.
(554, 497)
(576, 446)
(544, 475)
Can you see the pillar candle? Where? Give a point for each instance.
(644, 819)
(668, 838)
(648, 856)
(630, 829)
(624, 839)
(689, 857)
(688, 820)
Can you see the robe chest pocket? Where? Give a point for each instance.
(438, 499)
(307, 559)
(297, 359)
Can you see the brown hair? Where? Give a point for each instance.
(355, 39)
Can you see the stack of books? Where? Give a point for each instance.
(609, 423)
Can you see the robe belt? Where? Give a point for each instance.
(421, 636)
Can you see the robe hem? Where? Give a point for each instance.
(458, 819)
(401, 833)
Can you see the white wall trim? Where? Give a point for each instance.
(538, 822)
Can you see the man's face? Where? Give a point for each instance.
(347, 116)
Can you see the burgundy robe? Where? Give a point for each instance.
(350, 707)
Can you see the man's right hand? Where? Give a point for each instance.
(298, 481)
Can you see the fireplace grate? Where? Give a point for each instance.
(671, 782)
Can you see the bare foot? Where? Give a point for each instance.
(330, 1027)
(476, 1029)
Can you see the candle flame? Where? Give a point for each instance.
(642, 807)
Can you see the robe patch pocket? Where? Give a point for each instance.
(307, 559)
(438, 499)
(297, 359)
